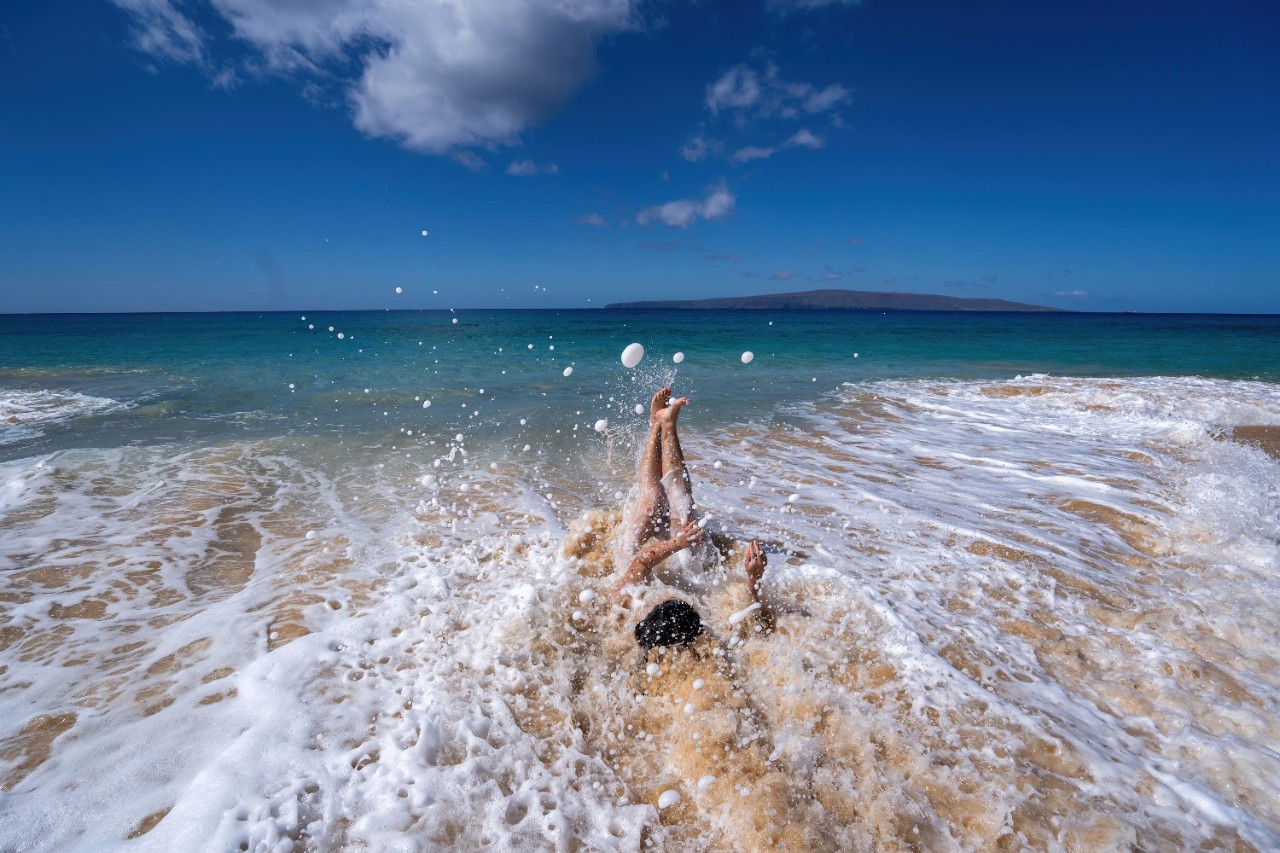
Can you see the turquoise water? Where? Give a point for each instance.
(186, 376)
(254, 595)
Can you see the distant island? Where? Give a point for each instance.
(862, 300)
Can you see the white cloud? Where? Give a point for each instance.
(783, 275)
(737, 88)
(594, 219)
(719, 203)
(433, 76)
(749, 93)
(802, 138)
(824, 99)
(528, 168)
(783, 7)
(1073, 294)
(751, 152)
(163, 31)
(695, 149)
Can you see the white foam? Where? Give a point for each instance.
(24, 413)
(747, 357)
(1042, 579)
(632, 355)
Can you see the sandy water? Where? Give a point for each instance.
(1012, 613)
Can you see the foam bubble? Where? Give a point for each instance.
(632, 355)
(568, 371)
(602, 425)
(399, 290)
(426, 404)
(668, 798)
(678, 357)
(747, 357)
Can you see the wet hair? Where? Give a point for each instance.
(670, 623)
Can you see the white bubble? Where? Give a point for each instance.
(435, 293)
(698, 684)
(855, 355)
(424, 233)
(718, 465)
(399, 290)
(568, 371)
(341, 336)
(602, 425)
(668, 798)
(526, 448)
(459, 437)
(523, 421)
(747, 356)
(639, 409)
(331, 328)
(455, 320)
(652, 669)
(678, 357)
(530, 346)
(311, 325)
(290, 385)
(793, 498)
(632, 354)
(586, 596)
(706, 782)
(311, 534)
(426, 404)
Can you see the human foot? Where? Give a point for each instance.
(660, 401)
(755, 562)
(668, 415)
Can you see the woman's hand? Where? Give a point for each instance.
(689, 534)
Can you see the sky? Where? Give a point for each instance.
(214, 155)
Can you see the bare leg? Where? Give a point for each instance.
(675, 475)
(649, 516)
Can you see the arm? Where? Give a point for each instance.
(754, 561)
(655, 552)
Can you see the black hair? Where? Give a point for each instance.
(671, 622)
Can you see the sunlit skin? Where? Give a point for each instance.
(666, 498)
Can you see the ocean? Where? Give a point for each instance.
(340, 581)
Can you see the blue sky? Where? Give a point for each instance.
(264, 154)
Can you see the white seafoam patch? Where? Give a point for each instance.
(1015, 614)
(23, 413)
